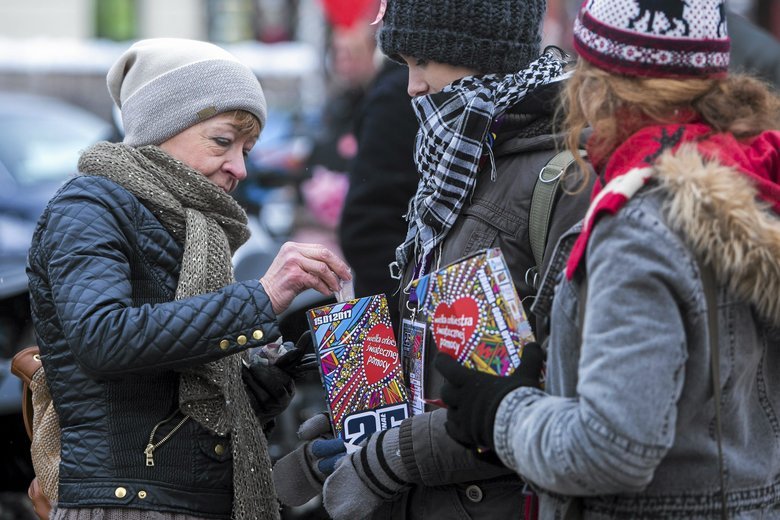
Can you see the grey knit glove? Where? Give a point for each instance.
(366, 478)
(298, 476)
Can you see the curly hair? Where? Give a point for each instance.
(616, 107)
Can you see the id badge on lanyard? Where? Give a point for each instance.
(413, 334)
(414, 331)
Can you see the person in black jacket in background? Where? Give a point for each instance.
(382, 179)
(350, 68)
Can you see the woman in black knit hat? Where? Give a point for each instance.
(484, 96)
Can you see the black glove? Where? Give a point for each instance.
(270, 374)
(473, 397)
(270, 389)
(299, 359)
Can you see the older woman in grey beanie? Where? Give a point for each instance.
(143, 330)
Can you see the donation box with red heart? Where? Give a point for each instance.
(360, 367)
(474, 313)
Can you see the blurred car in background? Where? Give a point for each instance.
(40, 142)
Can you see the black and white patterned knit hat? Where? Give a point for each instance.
(654, 38)
(165, 85)
(489, 36)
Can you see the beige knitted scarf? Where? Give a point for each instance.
(211, 225)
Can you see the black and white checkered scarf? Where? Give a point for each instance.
(451, 141)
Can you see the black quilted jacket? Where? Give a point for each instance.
(103, 273)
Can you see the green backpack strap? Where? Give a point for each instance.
(542, 203)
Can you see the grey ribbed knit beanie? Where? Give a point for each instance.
(165, 85)
(490, 36)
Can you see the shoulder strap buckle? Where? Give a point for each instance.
(543, 200)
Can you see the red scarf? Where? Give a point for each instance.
(629, 168)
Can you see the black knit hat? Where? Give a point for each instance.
(489, 36)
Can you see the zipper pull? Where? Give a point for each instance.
(149, 454)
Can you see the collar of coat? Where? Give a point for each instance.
(718, 211)
(725, 214)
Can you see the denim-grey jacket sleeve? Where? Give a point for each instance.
(613, 417)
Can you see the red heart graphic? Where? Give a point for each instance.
(380, 353)
(454, 324)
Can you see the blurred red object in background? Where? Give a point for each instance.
(345, 13)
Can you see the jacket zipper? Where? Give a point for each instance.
(149, 451)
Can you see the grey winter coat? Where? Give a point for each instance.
(449, 480)
(630, 420)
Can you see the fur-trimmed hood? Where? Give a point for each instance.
(717, 210)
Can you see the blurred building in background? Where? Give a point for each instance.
(216, 20)
(64, 47)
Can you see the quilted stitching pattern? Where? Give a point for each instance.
(103, 273)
